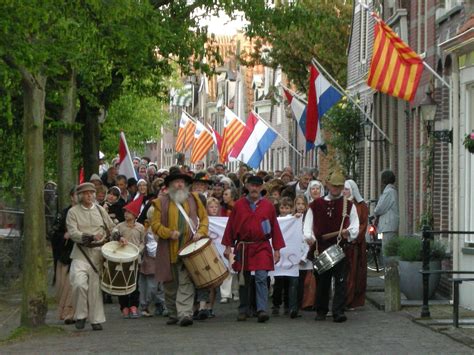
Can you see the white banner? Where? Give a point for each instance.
(290, 256)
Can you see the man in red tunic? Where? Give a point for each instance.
(251, 226)
(327, 216)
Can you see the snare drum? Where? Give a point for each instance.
(120, 271)
(328, 258)
(203, 263)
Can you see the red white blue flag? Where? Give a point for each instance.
(254, 142)
(321, 97)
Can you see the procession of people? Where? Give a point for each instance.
(166, 211)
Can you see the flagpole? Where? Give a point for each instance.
(294, 94)
(344, 93)
(427, 66)
(278, 133)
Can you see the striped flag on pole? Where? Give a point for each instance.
(216, 137)
(254, 142)
(233, 127)
(183, 122)
(189, 134)
(395, 68)
(202, 142)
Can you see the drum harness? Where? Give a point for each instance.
(329, 235)
(107, 233)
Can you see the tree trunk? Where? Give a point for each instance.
(66, 175)
(34, 303)
(90, 138)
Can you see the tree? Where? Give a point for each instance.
(291, 35)
(344, 123)
(27, 45)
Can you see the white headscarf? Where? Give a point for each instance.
(352, 186)
(311, 184)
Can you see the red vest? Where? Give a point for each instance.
(327, 218)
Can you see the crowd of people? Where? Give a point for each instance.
(165, 209)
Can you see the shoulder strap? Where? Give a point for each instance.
(88, 259)
(164, 202)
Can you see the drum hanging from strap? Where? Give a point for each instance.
(120, 271)
(203, 263)
(328, 258)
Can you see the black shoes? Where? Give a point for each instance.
(96, 326)
(202, 314)
(339, 318)
(80, 323)
(262, 317)
(172, 321)
(320, 317)
(186, 321)
(293, 314)
(242, 317)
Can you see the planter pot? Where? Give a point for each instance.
(471, 150)
(411, 280)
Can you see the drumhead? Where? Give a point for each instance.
(193, 247)
(113, 251)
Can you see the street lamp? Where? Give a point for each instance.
(428, 108)
(368, 126)
(427, 112)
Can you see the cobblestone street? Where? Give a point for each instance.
(368, 331)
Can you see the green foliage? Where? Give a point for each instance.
(299, 32)
(343, 123)
(391, 248)
(410, 248)
(141, 119)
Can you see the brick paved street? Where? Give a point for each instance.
(368, 331)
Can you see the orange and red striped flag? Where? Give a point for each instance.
(396, 68)
(202, 142)
(183, 122)
(233, 127)
(189, 135)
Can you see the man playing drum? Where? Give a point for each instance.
(173, 231)
(330, 218)
(87, 223)
(251, 226)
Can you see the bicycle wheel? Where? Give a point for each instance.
(374, 259)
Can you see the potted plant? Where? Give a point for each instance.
(409, 250)
(469, 142)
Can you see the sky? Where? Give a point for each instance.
(222, 25)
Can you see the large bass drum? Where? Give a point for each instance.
(203, 263)
(328, 258)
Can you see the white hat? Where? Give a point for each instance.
(95, 177)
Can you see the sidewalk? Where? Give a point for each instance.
(441, 311)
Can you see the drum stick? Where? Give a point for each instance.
(330, 235)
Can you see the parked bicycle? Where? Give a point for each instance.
(374, 247)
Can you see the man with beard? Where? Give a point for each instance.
(330, 220)
(173, 232)
(87, 223)
(251, 226)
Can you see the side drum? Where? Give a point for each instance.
(328, 258)
(120, 271)
(203, 263)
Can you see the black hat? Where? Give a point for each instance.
(256, 180)
(202, 177)
(187, 179)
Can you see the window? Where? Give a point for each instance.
(364, 22)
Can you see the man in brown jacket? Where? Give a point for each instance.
(173, 232)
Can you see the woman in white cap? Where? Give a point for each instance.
(315, 190)
(356, 252)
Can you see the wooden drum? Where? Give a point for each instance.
(204, 264)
